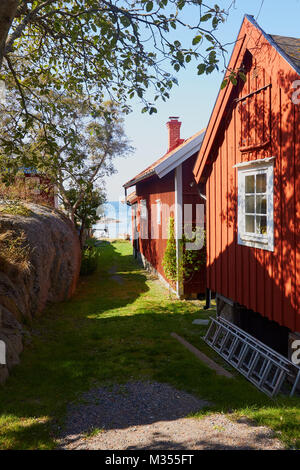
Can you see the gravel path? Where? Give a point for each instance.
(151, 415)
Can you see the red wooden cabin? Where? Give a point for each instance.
(250, 163)
(167, 189)
(31, 187)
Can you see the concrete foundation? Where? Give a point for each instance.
(268, 332)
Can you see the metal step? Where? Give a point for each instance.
(261, 365)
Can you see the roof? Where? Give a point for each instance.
(170, 160)
(131, 198)
(288, 48)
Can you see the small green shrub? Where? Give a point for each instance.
(191, 260)
(90, 260)
(15, 209)
(169, 260)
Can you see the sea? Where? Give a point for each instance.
(115, 221)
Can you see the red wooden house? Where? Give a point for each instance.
(31, 187)
(165, 190)
(250, 163)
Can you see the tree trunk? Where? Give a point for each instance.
(8, 10)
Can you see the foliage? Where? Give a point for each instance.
(15, 208)
(170, 258)
(191, 260)
(27, 188)
(116, 49)
(111, 333)
(72, 141)
(90, 260)
(86, 213)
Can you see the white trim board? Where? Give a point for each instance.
(254, 163)
(178, 221)
(177, 158)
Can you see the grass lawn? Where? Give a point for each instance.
(115, 331)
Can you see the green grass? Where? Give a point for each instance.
(114, 332)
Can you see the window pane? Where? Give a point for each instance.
(261, 204)
(249, 184)
(261, 183)
(250, 223)
(261, 224)
(249, 206)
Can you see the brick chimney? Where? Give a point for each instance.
(173, 126)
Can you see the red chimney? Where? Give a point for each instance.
(173, 126)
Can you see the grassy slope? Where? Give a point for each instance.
(110, 332)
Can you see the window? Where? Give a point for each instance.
(255, 204)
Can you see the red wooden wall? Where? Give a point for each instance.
(263, 281)
(190, 195)
(163, 189)
(152, 189)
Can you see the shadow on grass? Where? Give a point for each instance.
(111, 333)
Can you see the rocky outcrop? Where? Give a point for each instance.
(39, 263)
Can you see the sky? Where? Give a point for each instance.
(193, 99)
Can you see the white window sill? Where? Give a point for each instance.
(254, 238)
(256, 242)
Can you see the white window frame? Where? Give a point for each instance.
(265, 242)
(158, 211)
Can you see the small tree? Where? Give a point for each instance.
(73, 142)
(86, 214)
(190, 261)
(170, 258)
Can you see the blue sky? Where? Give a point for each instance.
(194, 98)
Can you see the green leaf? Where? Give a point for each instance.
(125, 21)
(149, 6)
(201, 69)
(224, 83)
(206, 17)
(197, 39)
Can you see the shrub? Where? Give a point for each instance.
(15, 208)
(169, 260)
(90, 260)
(191, 261)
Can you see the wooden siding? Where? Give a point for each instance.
(153, 189)
(267, 125)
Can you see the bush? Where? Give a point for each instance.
(15, 208)
(169, 260)
(90, 260)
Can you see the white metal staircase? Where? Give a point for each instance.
(263, 366)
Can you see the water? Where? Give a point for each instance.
(114, 210)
